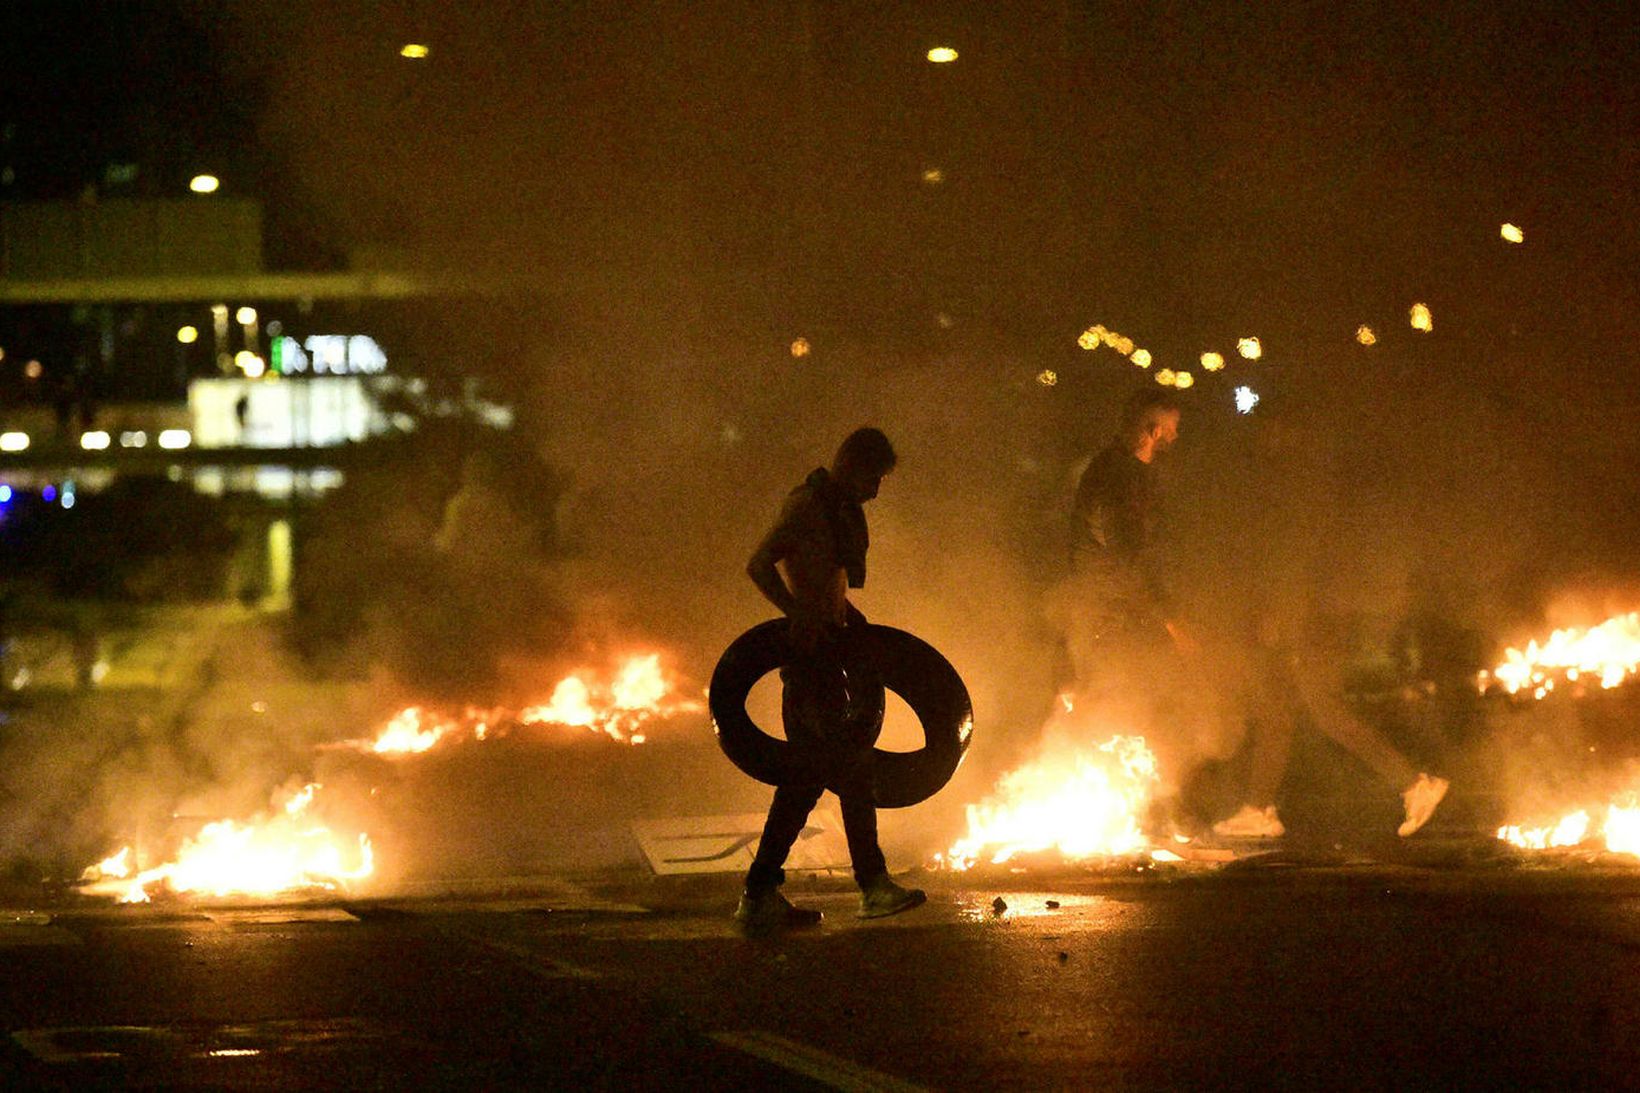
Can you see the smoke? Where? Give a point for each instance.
(678, 199)
(229, 717)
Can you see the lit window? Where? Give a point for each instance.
(172, 439)
(95, 441)
(13, 442)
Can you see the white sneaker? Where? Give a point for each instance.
(1252, 823)
(1422, 798)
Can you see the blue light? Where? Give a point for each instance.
(5, 495)
(49, 493)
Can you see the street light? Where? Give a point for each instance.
(942, 55)
(414, 50)
(204, 184)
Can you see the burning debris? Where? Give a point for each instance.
(1082, 802)
(1608, 654)
(1618, 829)
(638, 694)
(289, 850)
(286, 850)
(1575, 661)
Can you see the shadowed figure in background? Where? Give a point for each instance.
(1124, 599)
(1131, 660)
(820, 541)
(1292, 668)
(1293, 673)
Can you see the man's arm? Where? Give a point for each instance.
(764, 570)
(783, 543)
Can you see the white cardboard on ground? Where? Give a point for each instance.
(726, 844)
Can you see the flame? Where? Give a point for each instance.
(1512, 233)
(1623, 824)
(1421, 319)
(282, 852)
(1570, 830)
(405, 735)
(1082, 805)
(1619, 827)
(115, 865)
(639, 692)
(1609, 652)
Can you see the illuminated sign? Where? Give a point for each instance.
(327, 354)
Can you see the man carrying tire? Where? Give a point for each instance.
(820, 541)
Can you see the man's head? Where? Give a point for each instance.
(862, 460)
(1150, 422)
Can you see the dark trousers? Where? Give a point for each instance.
(818, 706)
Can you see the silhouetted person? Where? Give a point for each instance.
(1122, 599)
(820, 540)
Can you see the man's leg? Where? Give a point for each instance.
(1420, 792)
(787, 815)
(811, 686)
(762, 905)
(879, 896)
(854, 793)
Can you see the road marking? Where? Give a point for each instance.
(811, 1062)
(522, 956)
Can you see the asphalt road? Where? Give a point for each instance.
(1292, 976)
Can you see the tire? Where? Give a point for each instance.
(909, 667)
